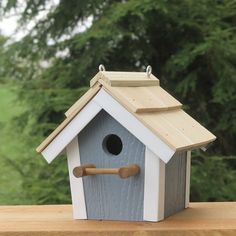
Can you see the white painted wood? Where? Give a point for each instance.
(76, 184)
(188, 174)
(154, 187)
(151, 190)
(131, 123)
(70, 131)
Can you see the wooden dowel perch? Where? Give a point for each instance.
(90, 169)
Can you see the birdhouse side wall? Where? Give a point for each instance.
(175, 184)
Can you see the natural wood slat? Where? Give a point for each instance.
(79, 104)
(177, 129)
(121, 78)
(147, 99)
(201, 219)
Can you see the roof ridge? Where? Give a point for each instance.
(125, 79)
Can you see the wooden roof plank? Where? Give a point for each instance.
(94, 80)
(133, 83)
(124, 75)
(164, 130)
(177, 129)
(116, 96)
(157, 109)
(49, 139)
(188, 126)
(83, 100)
(164, 96)
(121, 79)
(146, 99)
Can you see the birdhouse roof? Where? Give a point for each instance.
(142, 96)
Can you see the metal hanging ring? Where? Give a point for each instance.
(149, 70)
(101, 67)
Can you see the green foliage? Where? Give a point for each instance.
(26, 178)
(211, 179)
(3, 59)
(46, 183)
(190, 45)
(11, 191)
(7, 99)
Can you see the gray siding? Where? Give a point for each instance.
(175, 181)
(107, 196)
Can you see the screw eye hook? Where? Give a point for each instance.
(149, 70)
(101, 67)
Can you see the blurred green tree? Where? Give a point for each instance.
(191, 46)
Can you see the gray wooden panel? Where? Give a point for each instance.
(107, 196)
(175, 178)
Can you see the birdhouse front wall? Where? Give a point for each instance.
(107, 144)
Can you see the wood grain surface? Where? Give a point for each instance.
(200, 219)
(108, 196)
(174, 127)
(146, 99)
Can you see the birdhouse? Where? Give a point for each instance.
(128, 144)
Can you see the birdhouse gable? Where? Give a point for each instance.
(134, 97)
(61, 137)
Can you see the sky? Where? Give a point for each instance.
(8, 27)
(9, 24)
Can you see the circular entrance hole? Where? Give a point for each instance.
(112, 144)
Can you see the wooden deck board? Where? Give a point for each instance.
(199, 219)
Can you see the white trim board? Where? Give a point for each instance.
(70, 131)
(131, 123)
(154, 187)
(76, 184)
(188, 174)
